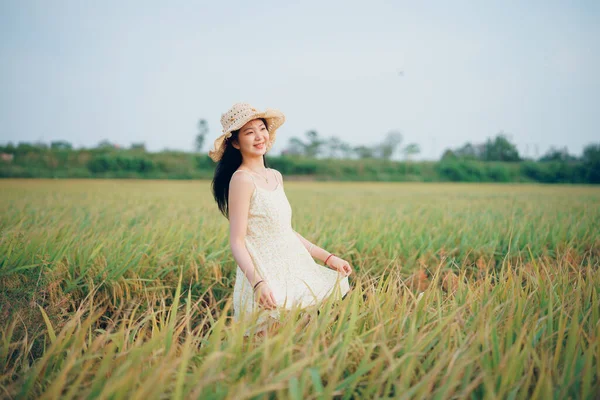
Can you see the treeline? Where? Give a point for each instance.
(61, 161)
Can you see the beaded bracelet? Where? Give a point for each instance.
(330, 254)
(262, 280)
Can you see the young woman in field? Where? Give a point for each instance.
(275, 265)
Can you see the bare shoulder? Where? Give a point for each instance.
(279, 176)
(241, 181)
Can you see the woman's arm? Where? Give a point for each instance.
(317, 252)
(334, 262)
(240, 192)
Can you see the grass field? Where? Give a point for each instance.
(122, 289)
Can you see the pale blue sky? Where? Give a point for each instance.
(146, 71)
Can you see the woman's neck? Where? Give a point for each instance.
(254, 164)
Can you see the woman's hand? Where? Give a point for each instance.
(263, 295)
(340, 265)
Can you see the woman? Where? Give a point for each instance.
(275, 266)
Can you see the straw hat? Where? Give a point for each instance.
(237, 116)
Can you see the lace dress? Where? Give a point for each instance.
(281, 260)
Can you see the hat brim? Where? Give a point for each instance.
(274, 118)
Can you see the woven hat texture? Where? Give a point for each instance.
(237, 116)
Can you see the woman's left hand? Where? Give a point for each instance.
(339, 265)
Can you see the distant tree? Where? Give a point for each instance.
(497, 149)
(8, 148)
(500, 149)
(312, 147)
(390, 144)
(591, 153)
(61, 145)
(200, 137)
(346, 150)
(24, 147)
(105, 144)
(138, 146)
(338, 148)
(469, 151)
(554, 154)
(365, 151)
(334, 145)
(449, 155)
(410, 150)
(591, 162)
(295, 147)
(39, 145)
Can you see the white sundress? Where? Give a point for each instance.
(281, 260)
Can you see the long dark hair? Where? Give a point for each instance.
(227, 165)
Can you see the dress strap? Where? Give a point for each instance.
(274, 174)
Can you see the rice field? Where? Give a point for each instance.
(122, 289)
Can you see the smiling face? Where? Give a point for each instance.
(252, 139)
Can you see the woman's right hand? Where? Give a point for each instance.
(264, 296)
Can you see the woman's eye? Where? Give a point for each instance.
(263, 128)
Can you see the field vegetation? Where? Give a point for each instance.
(123, 289)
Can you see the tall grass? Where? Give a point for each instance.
(116, 289)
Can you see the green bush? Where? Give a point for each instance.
(117, 162)
(497, 172)
(461, 171)
(554, 172)
(38, 161)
